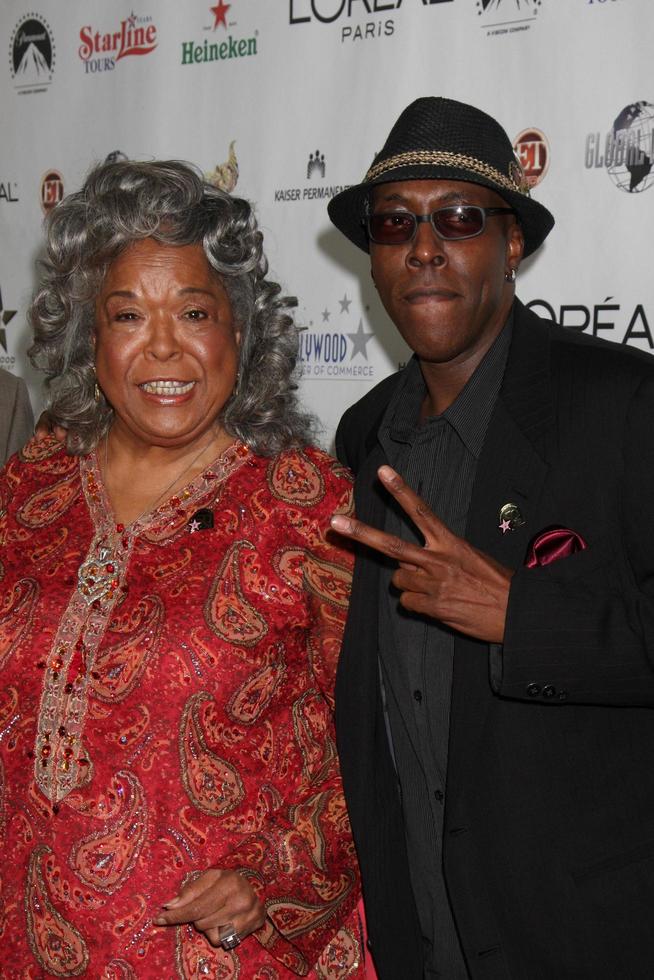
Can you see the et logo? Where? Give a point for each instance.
(533, 152)
(52, 190)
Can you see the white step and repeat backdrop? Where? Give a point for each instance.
(287, 101)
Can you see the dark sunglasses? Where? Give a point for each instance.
(453, 223)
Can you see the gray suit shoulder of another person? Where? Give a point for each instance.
(16, 418)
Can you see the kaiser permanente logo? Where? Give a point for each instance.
(101, 51)
(221, 45)
(315, 169)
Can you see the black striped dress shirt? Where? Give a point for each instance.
(438, 458)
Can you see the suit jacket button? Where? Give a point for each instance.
(562, 695)
(548, 691)
(533, 690)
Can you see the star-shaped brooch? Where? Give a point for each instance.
(202, 520)
(510, 518)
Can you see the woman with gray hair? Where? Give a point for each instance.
(171, 609)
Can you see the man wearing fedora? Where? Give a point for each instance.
(496, 685)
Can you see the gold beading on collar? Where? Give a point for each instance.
(445, 158)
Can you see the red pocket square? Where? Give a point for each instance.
(552, 544)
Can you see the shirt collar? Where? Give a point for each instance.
(469, 414)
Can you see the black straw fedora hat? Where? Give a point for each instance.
(440, 138)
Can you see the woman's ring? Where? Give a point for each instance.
(229, 938)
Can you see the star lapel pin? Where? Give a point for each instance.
(202, 520)
(510, 518)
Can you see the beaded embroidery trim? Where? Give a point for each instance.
(444, 157)
(61, 762)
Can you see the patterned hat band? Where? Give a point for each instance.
(515, 181)
(440, 139)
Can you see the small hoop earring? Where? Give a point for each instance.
(510, 275)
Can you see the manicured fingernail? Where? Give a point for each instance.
(340, 523)
(171, 903)
(160, 921)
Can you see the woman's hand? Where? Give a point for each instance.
(45, 427)
(214, 899)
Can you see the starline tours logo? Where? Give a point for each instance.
(5, 317)
(52, 190)
(626, 150)
(533, 152)
(32, 55)
(222, 44)
(355, 19)
(134, 36)
(507, 16)
(335, 345)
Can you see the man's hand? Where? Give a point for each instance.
(215, 899)
(447, 578)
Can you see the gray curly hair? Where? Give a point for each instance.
(121, 203)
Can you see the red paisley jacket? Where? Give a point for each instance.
(165, 707)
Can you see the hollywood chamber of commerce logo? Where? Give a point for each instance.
(626, 150)
(52, 190)
(340, 12)
(32, 55)
(220, 46)
(507, 16)
(136, 35)
(334, 348)
(533, 152)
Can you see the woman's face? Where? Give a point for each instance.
(166, 350)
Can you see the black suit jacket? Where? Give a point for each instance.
(549, 819)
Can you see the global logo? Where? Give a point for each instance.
(507, 16)
(101, 51)
(626, 151)
(32, 55)
(533, 152)
(52, 190)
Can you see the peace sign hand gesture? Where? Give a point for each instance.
(446, 578)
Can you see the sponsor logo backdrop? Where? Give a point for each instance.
(286, 103)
